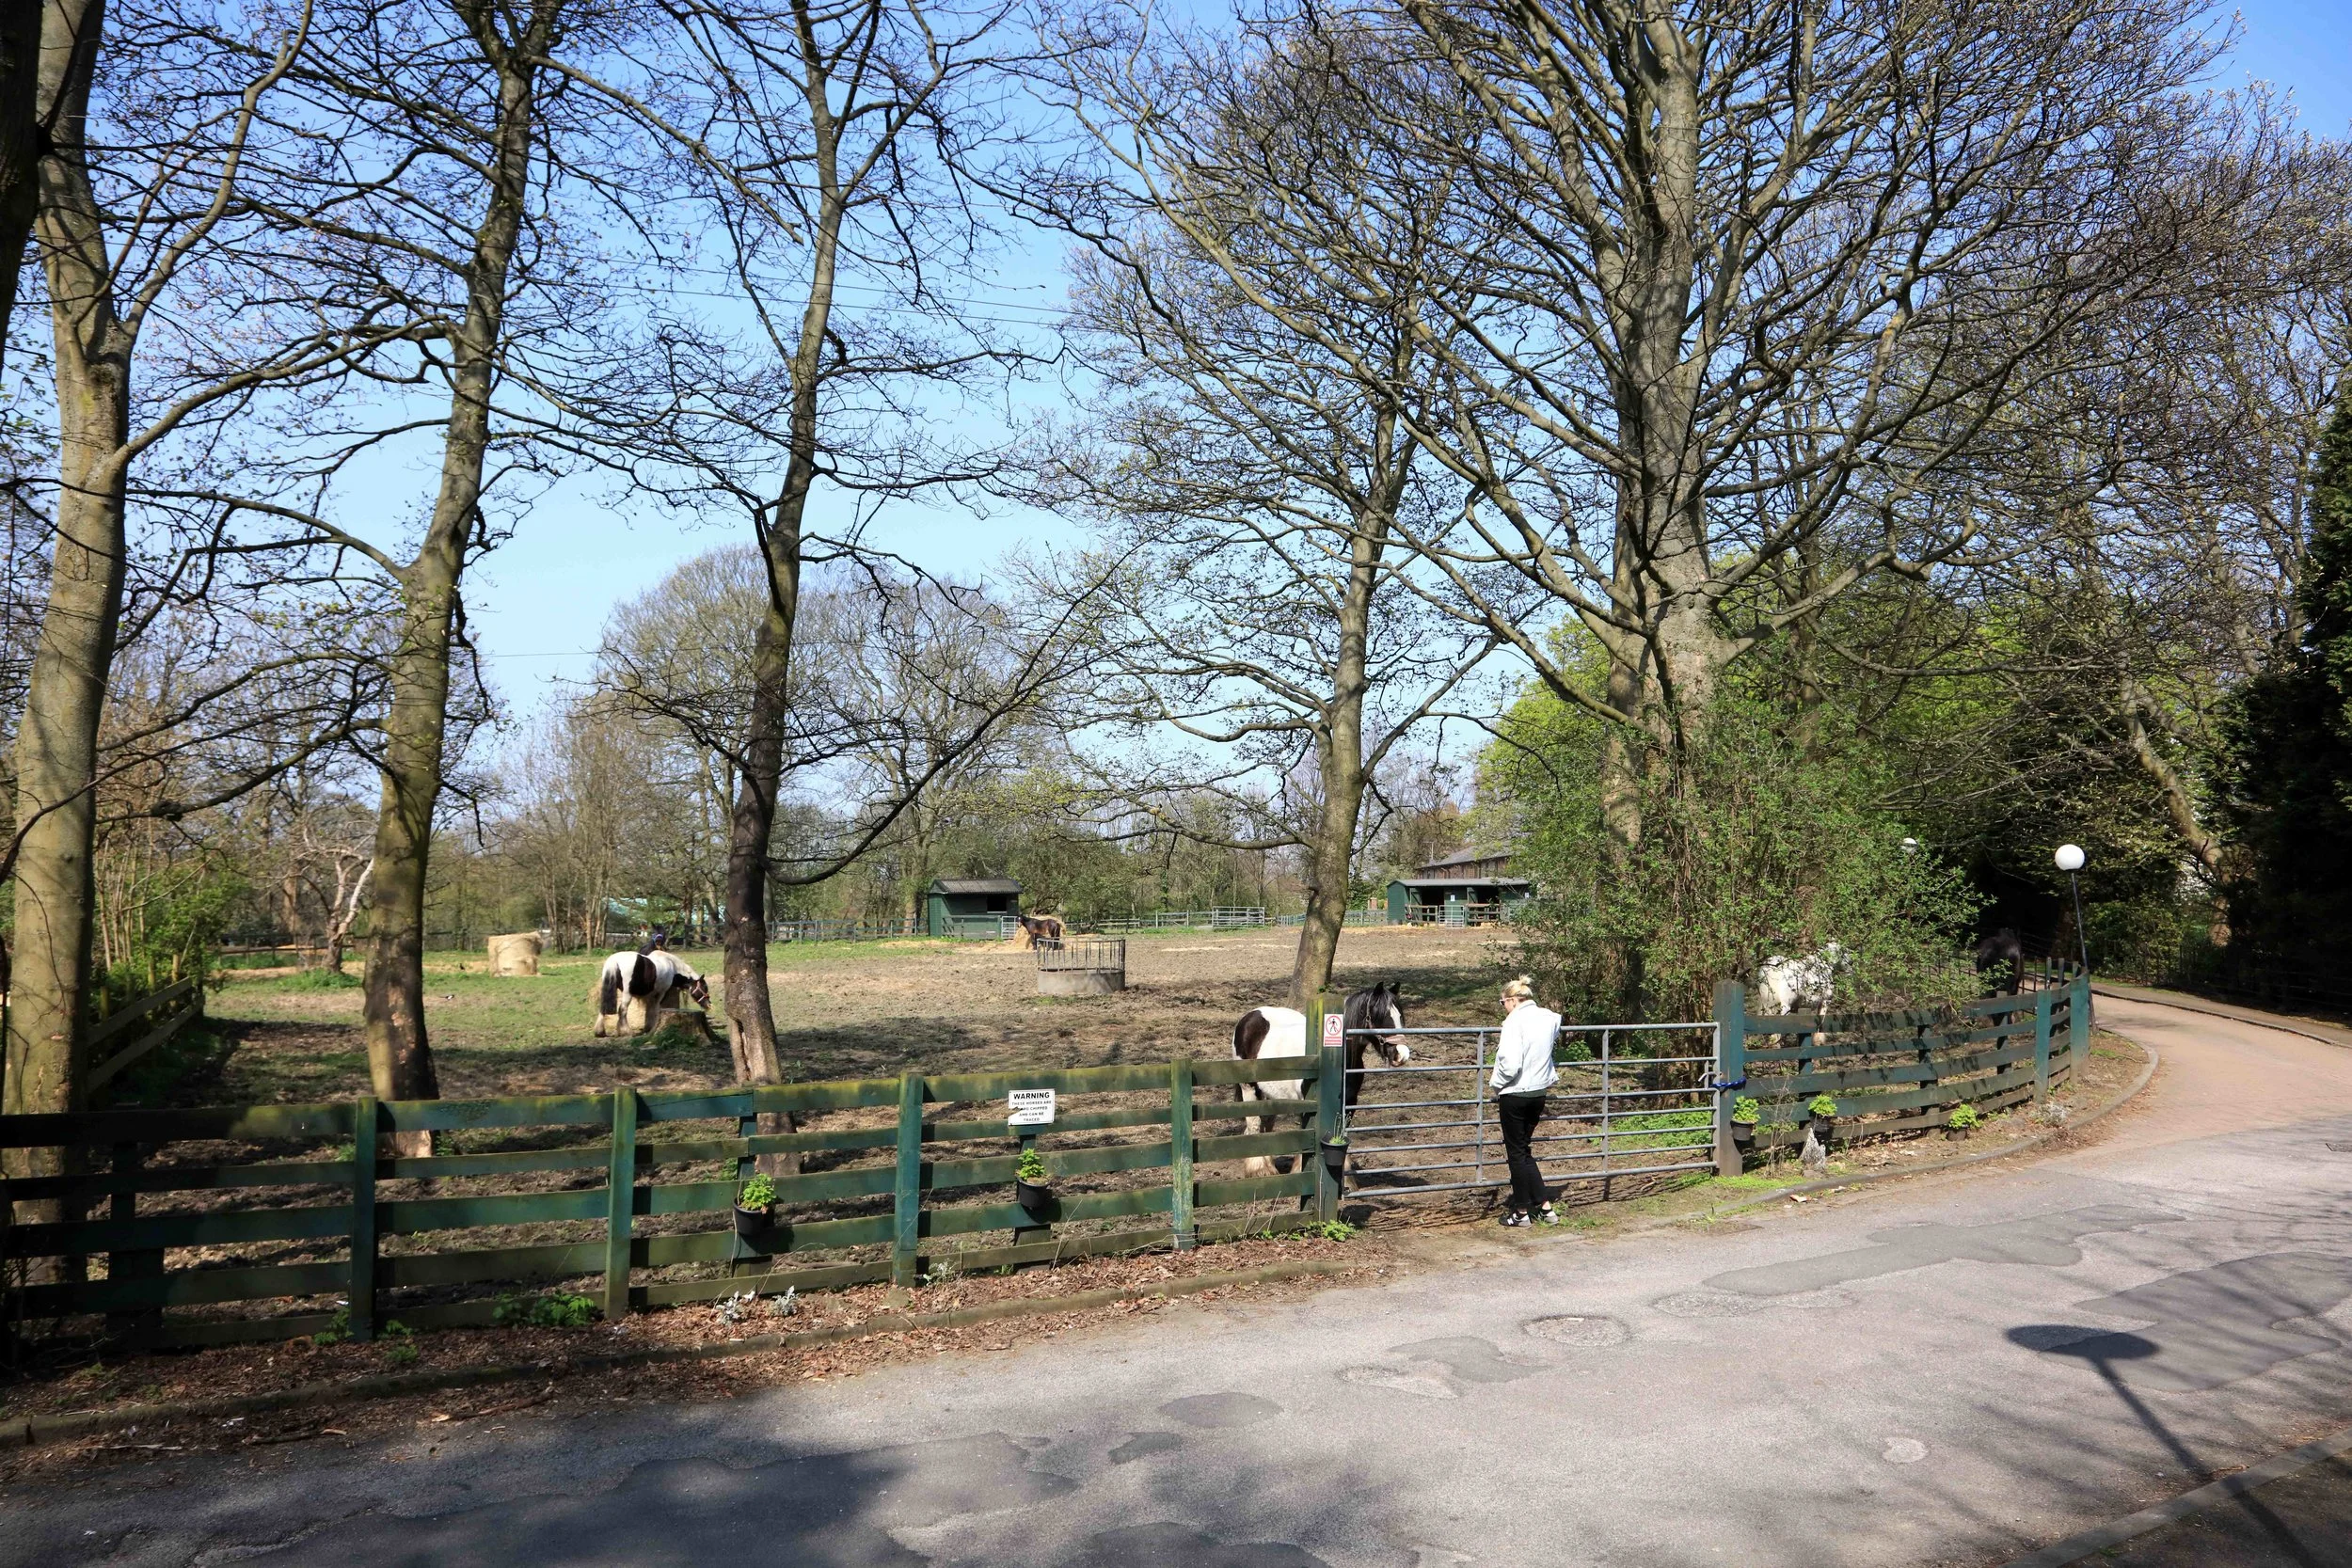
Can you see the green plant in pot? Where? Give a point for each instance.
(752, 1206)
(1747, 1112)
(1962, 1122)
(1030, 1181)
(1823, 1110)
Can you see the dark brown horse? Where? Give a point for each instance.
(1042, 930)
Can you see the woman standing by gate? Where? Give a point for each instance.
(1523, 1073)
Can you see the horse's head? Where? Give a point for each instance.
(699, 988)
(1378, 1008)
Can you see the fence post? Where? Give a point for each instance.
(1331, 1101)
(2078, 1025)
(1731, 1069)
(907, 1204)
(620, 1203)
(1180, 1156)
(2041, 1046)
(361, 1291)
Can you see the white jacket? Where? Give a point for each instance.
(1523, 1050)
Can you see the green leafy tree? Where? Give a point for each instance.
(2290, 763)
(1774, 842)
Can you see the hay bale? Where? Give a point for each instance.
(517, 952)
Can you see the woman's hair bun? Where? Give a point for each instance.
(1521, 987)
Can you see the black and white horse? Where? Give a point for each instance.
(651, 983)
(1275, 1033)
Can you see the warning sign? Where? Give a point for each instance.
(1334, 1031)
(1029, 1108)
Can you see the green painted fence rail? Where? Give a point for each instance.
(322, 1224)
(1893, 1072)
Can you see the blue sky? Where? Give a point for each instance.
(537, 603)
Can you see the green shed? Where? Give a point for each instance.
(1471, 888)
(954, 899)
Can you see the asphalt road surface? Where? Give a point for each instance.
(1949, 1370)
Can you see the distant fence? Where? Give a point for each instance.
(1233, 918)
(1458, 913)
(842, 931)
(1893, 1072)
(297, 1213)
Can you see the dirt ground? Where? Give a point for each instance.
(843, 1009)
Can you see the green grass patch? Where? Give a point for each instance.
(1692, 1129)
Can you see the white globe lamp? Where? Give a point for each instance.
(2070, 858)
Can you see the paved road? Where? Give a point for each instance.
(1946, 1372)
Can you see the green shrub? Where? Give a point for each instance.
(1747, 1111)
(555, 1311)
(1031, 1168)
(758, 1193)
(1822, 1105)
(1962, 1119)
(338, 1328)
(1335, 1231)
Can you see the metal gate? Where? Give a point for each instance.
(1618, 1109)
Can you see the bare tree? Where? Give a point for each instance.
(1751, 275)
(141, 215)
(1256, 480)
(844, 136)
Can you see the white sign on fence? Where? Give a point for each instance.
(1029, 1108)
(1334, 1031)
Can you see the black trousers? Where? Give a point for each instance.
(1518, 1113)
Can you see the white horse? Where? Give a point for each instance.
(1274, 1033)
(649, 983)
(1784, 986)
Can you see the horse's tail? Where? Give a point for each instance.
(608, 994)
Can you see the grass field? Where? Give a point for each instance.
(843, 1009)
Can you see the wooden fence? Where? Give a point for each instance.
(165, 1012)
(1893, 1072)
(208, 1208)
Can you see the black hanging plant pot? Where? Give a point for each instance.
(1824, 1128)
(1334, 1155)
(752, 1224)
(1035, 1197)
(1743, 1134)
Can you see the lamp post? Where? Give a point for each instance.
(2070, 860)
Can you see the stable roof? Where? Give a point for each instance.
(976, 884)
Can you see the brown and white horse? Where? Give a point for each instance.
(651, 983)
(1273, 1033)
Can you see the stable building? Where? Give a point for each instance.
(1474, 887)
(957, 899)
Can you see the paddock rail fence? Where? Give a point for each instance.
(209, 1211)
(1894, 1073)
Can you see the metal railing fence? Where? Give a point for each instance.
(1612, 1114)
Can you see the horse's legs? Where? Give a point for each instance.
(1256, 1164)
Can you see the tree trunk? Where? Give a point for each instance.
(400, 1056)
(1331, 854)
(56, 754)
(2179, 803)
(751, 1012)
(21, 143)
